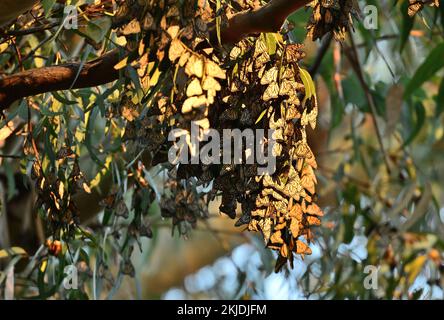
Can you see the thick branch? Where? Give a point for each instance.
(268, 18)
(62, 77)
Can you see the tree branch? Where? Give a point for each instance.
(268, 18)
(36, 81)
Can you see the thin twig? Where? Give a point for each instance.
(354, 61)
(24, 32)
(321, 54)
(10, 156)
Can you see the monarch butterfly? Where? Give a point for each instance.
(65, 153)
(293, 189)
(131, 28)
(259, 48)
(276, 237)
(314, 209)
(265, 227)
(296, 212)
(272, 92)
(195, 66)
(258, 213)
(261, 72)
(310, 118)
(54, 247)
(288, 88)
(294, 227)
(194, 88)
(184, 58)
(261, 60)
(148, 22)
(308, 184)
(176, 50)
(235, 53)
(229, 115)
(294, 53)
(270, 76)
(290, 114)
(211, 84)
(273, 193)
(302, 150)
(108, 202)
(262, 202)
(288, 74)
(415, 7)
(213, 70)
(301, 247)
(313, 221)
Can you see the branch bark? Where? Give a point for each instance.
(62, 77)
(268, 18)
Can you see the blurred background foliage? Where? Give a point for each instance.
(379, 146)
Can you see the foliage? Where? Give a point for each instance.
(379, 180)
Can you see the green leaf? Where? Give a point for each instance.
(420, 118)
(407, 25)
(337, 111)
(89, 134)
(98, 29)
(49, 148)
(261, 116)
(12, 191)
(310, 89)
(421, 209)
(47, 6)
(85, 55)
(442, 14)
(271, 42)
(62, 99)
(431, 65)
(14, 251)
(353, 93)
(218, 22)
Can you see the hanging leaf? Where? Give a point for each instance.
(47, 6)
(14, 251)
(433, 63)
(407, 25)
(97, 29)
(420, 118)
(310, 89)
(261, 116)
(122, 64)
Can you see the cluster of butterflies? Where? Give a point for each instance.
(183, 205)
(268, 90)
(55, 192)
(332, 16)
(416, 6)
(254, 84)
